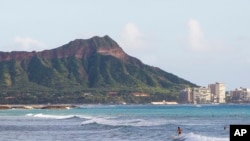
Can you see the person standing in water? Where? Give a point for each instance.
(179, 130)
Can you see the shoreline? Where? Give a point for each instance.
(37, 106)
(70, 106)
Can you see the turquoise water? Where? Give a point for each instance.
(123, 123)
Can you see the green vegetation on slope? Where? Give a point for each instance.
(93, 78)
(70, 80)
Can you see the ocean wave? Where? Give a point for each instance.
(40, 115)
(197, 137)
(124, 122)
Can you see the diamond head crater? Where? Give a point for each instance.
(84, 71)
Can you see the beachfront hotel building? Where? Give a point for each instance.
(186, 96)
(218, 92)
(214, 93)
(202, 95)
(240, 95)
(199, 95)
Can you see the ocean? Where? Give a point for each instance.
(123, 123)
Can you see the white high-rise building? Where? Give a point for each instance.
(218, 91)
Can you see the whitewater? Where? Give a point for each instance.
(123, 123)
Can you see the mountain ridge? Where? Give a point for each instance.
(97, 65)
(78, 47)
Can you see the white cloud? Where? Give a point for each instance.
(27, 44)
(132, 38)
(138, 44)
(198, 42)
(196, 37)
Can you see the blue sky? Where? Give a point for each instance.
(201, 41)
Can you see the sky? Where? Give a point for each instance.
(201, 41)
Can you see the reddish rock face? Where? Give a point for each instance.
(16, 55)
(78, 48)
(116, 52)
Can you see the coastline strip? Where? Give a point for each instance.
(42, 106)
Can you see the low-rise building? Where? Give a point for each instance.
(240, 95)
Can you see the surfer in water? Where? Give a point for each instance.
(179, 130)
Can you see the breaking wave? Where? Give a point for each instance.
(106, 120)
(40, 115)
(196, 137)
(124, 122)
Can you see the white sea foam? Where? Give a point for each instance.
(124, 122)
(111, 122)
(40, 115)
(29, 114)
(197, 137)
